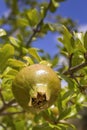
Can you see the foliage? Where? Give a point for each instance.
(25, 23)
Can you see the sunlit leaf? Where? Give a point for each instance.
(9, 71)
(47, 27)
(34, 52)
(68, 112)
(6, 85)
(14, 41)
(44, 126)
(16, 63)
(79, 42)
(2, 32)
(77, 58)
(22, 22)
(28, 60)
(6, 52)
(80, 98)
(33, 17)
(67, 40)
(65, 125)
(54, 5)
(80, 36)
(44, 62)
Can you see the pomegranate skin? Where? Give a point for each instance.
(36, 87)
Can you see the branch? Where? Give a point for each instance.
(70, 60)
(74, 69)
(4, 127)
(2, 98)
(4, 107)
(11, 113)
(38, 26)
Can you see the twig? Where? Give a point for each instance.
(38, 26)
(70, 60)
(4, 127)
(75, 68)
(12, 113)
(2, 98)
(4, 107)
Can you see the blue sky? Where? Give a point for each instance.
(75, 9)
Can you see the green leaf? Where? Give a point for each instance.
(54, 5)
(6, 86)
(47, 27)
(33, 17)
(70, 81)
(68, 112)
(67, 40)
(77, 58)
(55, 61)
(6, 52)
(85, 41)
(28, 60)
(80, 36)
(59, 102)
(64, 125)
(83, 81)
(9, 71)
(14, 41)
(2, 32)
(22, 22)
(24, 50)
(43, 11)
(33, 52)
(44, 126)
(16, 63)
(79, 42)
(80, 98)
(20, 125)
(66, 97)
(44, 62)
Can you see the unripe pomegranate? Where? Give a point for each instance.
(36, 87)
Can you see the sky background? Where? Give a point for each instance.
(75, 9)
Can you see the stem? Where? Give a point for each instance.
(11, 113)
(5, 106)
(2, 98)
(70, 60)
(75, 68)
(3, 126)
(38, 26)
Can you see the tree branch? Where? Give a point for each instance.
(4, 127)
(4, 107)
(38, 26)
(74, 69)
(2, 98)
(11, 113)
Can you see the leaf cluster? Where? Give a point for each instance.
(16, 51)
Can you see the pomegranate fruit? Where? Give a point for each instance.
(36, 87)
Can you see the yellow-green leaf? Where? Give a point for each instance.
(14, 41)
(28, 60)
(33, 17)
(33, 52)
(6, 52)
(16, 63)
(2, 32)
